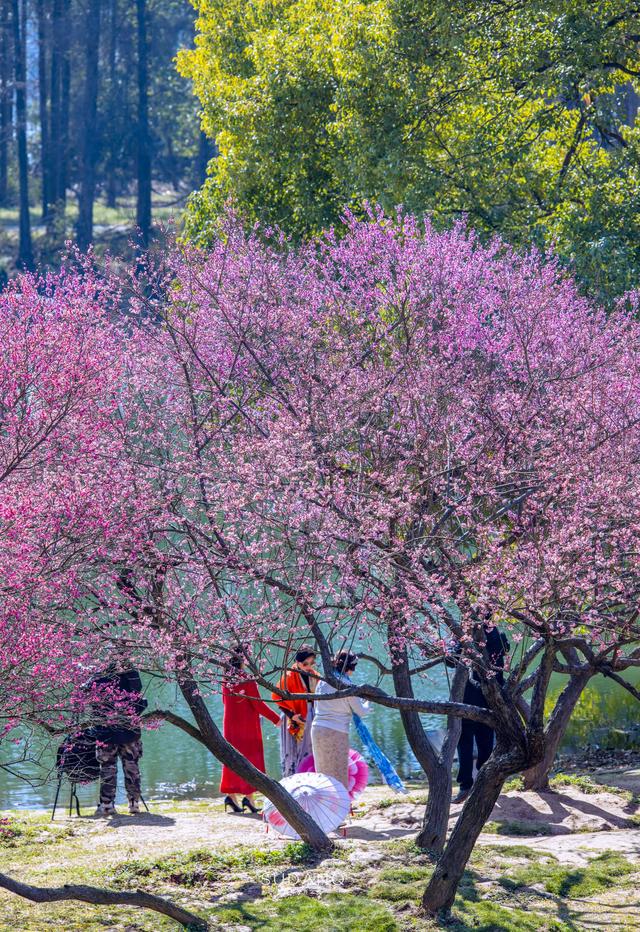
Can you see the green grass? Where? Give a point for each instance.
(17, 832)
(600, 874)
(584, 784)
(333, 913)
(485, 916)
(517, 827)
(406, 848)
(507, 853)
(399, 884)
(205, 867)
(419, 799)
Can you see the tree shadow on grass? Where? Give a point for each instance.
(143, 820)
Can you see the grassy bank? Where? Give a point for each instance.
(265, 884)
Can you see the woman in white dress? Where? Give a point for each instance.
(331, 721)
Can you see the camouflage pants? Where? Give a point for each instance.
(129, 753)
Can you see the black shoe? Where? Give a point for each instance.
(247, 804)
(231, 803)
(462, 795)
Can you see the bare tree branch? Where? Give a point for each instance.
(101, 897)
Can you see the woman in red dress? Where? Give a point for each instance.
(241, 727)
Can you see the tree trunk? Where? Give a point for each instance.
(112, 161)
(65, 91)
(436, 765)
(304, 825)
(143, 208)
(43, 96)
(441, 890)
(6, 95)
(537, 777)
(433, 833)
(55, 127)
(89, 147)
(436, 819)
(424, 751)
(25, 250)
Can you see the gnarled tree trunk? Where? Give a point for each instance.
(537, 777)
(441, 890)
(304, 825)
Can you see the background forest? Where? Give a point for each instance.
(519, 118)
(97, 128)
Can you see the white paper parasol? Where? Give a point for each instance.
(323, 797)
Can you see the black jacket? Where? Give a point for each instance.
(113, 732)
(497, 647)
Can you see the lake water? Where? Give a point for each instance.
(174, 766)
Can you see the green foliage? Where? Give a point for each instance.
(601, 873)
(202, 866)
(512, 114)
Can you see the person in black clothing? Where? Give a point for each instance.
(483, 735)
(115, 738)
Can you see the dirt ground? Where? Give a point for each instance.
(570, 819)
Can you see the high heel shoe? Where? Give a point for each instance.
(247, 804)
(228, 802)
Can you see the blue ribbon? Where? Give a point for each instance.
(379, 758)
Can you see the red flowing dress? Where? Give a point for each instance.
(241, 727)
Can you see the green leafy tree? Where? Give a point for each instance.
(517, 115)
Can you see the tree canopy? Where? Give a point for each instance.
(517, 115)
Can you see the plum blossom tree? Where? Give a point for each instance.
(401, 432)
(59, 368)
(61, 475)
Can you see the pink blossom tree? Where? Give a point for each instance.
(400, 432)
(61, 490)
(59, 369)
